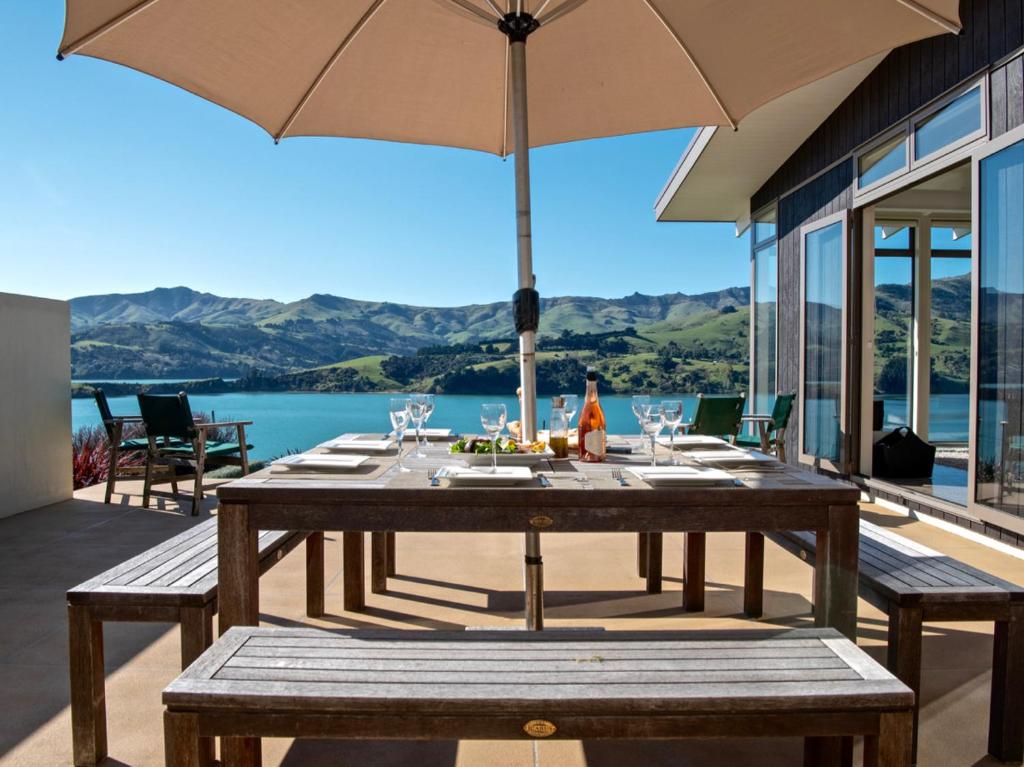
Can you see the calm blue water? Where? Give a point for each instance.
(297, 421)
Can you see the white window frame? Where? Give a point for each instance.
(918, 170)
(755, 248)
(900, 130)
(838, 467)
(982, 85)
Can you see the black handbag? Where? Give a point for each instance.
(901, 454)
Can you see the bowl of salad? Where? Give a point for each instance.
(476, 451)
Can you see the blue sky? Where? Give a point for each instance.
(111, 181)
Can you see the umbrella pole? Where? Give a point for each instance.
(526, 302)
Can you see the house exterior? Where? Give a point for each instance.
(885, 206)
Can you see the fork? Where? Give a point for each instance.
(617, 476)
(432, 475)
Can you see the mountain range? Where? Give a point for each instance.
(180, 332)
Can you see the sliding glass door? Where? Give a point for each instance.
(764, 313)
(998, 364)
(822, 342)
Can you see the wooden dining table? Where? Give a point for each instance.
(565, 496)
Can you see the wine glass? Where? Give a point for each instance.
(652, 421)
(493, 418)
(639, 401)
(416, 410)
(572, 405)
(426, 404)
(673, 417)
(399, 413)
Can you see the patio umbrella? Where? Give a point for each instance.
(453, 72)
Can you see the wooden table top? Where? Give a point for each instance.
(570, 483)
(570, 671)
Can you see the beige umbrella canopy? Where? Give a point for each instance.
(453, 73)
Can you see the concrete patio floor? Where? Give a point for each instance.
(444, 581)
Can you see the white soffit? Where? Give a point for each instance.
(721, 169)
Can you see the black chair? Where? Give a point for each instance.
(176, 441)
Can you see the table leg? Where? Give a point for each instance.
(241, 752)
(827, 752)
(533, 573)
(391, 553)
(352, 561)
(88, 697)
(753, 575)
(238, 568)
(693, 572)
(1006, 715)
(840, 572)
(641, 554)
(378, 562)
(654, 560)
(315, 575)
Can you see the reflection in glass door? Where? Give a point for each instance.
(894, 315)
(999, 382)
(823, 270)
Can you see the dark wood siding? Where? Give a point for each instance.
(905, 80)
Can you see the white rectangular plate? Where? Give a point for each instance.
(734, 458)
(308, 462)
(343, 445)
(505, 459)
(694, 442)
(430, 434)
(482, 477)
(682, 475)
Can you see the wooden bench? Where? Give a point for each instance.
(506, 685)
(174, 582)
(913, 585)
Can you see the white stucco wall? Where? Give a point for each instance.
(35, 404)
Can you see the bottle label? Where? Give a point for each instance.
(593, 442)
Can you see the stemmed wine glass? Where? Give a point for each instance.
(673, 417)
(639, 401)
(416, 415)
(399, 412)
(493, 418)
(572, 404)
(652, 421)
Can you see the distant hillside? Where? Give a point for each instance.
(179, 332)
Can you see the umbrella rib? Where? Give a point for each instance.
(353, 33)
(468, 6)
(97, 33)
(693, 62)
(556, 13)
(504, 110)
(928, 13)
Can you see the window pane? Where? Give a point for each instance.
(950, 343)
(823, 334)
(894, 312)
(1000, 479)
(960, 117)
(764, 227)
(766, 291)
(882, 161)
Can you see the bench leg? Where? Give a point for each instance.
(196, 637)
(904, 656)
(654, 560)
(693, 572)
(181, 740)
(378, 563)
(892, 746)
(391, 553)
(88, 696)
(828, 752)
(315, 575)
(753, 576)
(241, 752)
(1006, 715)
(352, 561)
(641, 554)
